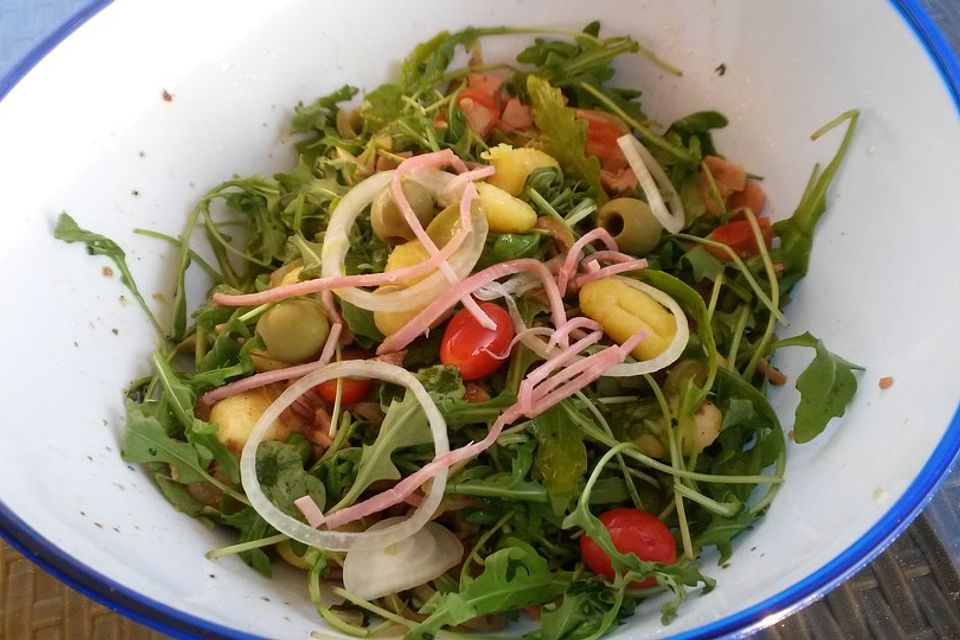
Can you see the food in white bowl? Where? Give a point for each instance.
(265, 333)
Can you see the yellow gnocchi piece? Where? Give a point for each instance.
(514, 165)
(236, 416)
(623, 310)
(504, 213)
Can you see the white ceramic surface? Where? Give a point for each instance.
(88, 128)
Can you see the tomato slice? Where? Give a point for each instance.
(739, 236)
(472, 348)
(352, 390)
(480, 109)
(631, 531)
(751, 197)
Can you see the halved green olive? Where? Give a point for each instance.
(387, 219)
(632, 225)
(294, 330)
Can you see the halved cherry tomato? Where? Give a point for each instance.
(352, 390)
(603, 129)
(631, 531)
(472, 348)
(752, 197)
(739, 236)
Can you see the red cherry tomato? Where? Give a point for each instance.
(631, 531)
(352, 390)
(472, 348)
(739, 235)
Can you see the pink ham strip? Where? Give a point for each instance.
(572, 326)
(523, 333)
(461, 180)
(597, 364)
(433, 311)
(573, 256)
(611, 270)
(310, 511)
(318, 285)
(432, 161)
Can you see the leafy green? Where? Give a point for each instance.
(145, 440)
(321, 113)
(561, 459)
(405, 425)
(565, 137)
(512, 578)
(509, 246)
(251, 527)
(283, 478)
(361, 324)
(442, 381)
(178, 495)
(505, 485)
(97, 245)
(826, 387)
(698, 125)
(796, 232)
(702, 264)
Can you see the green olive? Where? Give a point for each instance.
(294, 330)
(632, 225)
(387, 219)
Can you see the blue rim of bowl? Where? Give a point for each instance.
(181, 624)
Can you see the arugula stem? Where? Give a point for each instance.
(212, 229)
(653, 138)
(210, 270)
(725, 510)
(337, 400)
(253, 313)
(773, 489)
(738, 330)
(714, 189)
(748, 276)
(372, 608)
(631, 487)
(762, 347)
(246, 546)
(715, 295)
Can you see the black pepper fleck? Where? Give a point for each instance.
(721, 69)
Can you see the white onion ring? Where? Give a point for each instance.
(643, 165)
(336, 245)
(343, 540)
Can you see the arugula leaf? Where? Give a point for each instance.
(145, 440)
(361, 324)
(565, 137)
(442, 381)
(178, 495)
(69, 231)
(203, 435)
(512, 578)
(698, 125)
(321, 113)
(721, 531)
(826, 387)
(509, 246)
(702, 263)
(512, 485)
(283, 478)
(251, 527)
(796, 232)
(561, 459)
(405, 425)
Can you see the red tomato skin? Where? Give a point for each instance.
(603, 129)
(631, 531)
(353, 390)
(739, 235)
(752, 197)
(471, 348)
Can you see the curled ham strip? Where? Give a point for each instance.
(521, 334)
(570, 328)
(461, 180)
(589, 369)
(433, 311)
(436, 160)
(318, 285)
(310, 510)
(612, 270)
(573, 256)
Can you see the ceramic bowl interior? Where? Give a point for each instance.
(88, 132)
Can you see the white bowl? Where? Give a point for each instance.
(87, 128)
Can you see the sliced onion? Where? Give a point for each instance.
(643, 165)
(427, 554)
(336, 244)
(343, 540)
